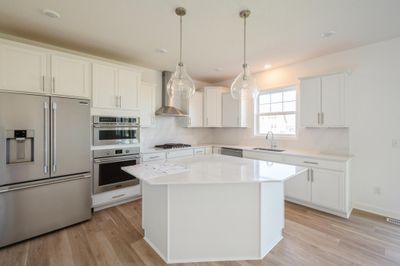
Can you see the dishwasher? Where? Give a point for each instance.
(232, 152)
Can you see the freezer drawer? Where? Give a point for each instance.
(39, 207)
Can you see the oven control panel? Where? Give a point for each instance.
(116, 152)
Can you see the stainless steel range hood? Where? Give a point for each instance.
(168, 107)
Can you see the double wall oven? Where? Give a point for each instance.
(116, 144)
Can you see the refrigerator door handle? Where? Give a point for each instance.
(43, 183)
(46, 138)
(54, 136)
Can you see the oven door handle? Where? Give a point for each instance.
(135, 126)
(116, 159)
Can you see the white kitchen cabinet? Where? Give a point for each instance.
(233, 111)
(327, 188)
(216, 150)
(147, 103)
(213, 106)
(70, 76)
(199, 151)
(186, 153)
(333, 100)
(154, 156)
(299, 187)
(23, 68)
(128, 89)
(326, 185)
(321, 187)
(104, 83)
(115, 87)
(322, 101)
(194, 110)
(310, 102)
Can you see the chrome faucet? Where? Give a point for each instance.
(271, 140)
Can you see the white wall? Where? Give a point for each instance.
(374, 118)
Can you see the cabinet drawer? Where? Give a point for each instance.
(180, 154)
(199, 151)
(265, 156)
(316, 163)
(153, 156)
(216, 150)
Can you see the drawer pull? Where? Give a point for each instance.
(154, 157)
(118, 196)
(310, 162)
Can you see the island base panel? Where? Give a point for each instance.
(213, 222)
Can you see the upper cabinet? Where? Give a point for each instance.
(22, 68)
(115, 87)
(213, 106)
(70, 76)
(233, 111)
(104, 83)
(194, 110)
(322, 101)
(26, 68)
(128, 88)
(147, 100)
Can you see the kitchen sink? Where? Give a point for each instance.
(267, 149)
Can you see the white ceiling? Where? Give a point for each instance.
(280, 32)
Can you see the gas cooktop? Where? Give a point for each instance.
(172, 146)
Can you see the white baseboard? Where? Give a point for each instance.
(376, 210)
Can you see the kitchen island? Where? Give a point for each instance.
(213, 207)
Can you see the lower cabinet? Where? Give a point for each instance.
(299, 187)
(325, 186)
(320, 187)
(180, 154)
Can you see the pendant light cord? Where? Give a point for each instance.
(244, 40)
(180, 41)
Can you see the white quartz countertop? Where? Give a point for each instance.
(290, 152)
(212, 169)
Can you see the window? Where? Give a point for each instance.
(276, 112)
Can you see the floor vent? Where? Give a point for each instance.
(393, 221)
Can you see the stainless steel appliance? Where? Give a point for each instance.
(232, 152)
(170, 105)
(45, 179)
(167, 146)
(107, 171)
(115, 130)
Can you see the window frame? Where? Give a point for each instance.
(257, 111)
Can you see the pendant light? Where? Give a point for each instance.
(180, 83)
(244, 82)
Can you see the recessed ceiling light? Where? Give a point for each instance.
(51, 13)
(327, 34)
(161, 50)
(218, 69)
(267, 66)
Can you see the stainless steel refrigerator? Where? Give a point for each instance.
(45, 170)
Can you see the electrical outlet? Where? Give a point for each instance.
(396, 143)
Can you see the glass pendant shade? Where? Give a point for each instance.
(180, 84)
(244, 84)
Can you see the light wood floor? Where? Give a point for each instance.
(114, 237)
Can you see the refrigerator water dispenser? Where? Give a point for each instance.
(20, 145)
